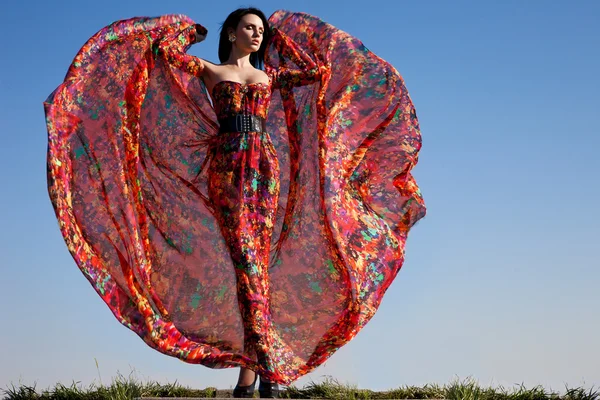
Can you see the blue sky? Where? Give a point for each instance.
(501, 278)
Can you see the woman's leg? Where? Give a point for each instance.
(246, 377)
(244, 189)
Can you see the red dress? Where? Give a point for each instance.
(268, 250)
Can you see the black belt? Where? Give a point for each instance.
(242, 123)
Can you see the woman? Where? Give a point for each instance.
(245, 205)
(232, 215)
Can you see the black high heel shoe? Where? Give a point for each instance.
(268, 390)
(245, 392)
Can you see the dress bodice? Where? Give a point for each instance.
(230, 98)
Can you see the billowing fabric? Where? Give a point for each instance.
(265, 250)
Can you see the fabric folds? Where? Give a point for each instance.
(131, 132)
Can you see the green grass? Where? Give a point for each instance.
(122, 388)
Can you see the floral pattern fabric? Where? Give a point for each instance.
(265, 250)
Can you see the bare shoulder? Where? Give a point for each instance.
(209, 66)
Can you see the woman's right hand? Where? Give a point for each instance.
(201, 33)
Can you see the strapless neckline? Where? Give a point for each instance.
(267, 84)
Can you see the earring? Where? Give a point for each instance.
(232, 37)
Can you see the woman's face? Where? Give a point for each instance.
(249, 33)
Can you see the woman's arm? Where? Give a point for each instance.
(175, 49)
(308, 70)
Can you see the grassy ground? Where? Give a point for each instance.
(123, 388)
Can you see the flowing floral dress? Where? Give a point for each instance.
(268, 250)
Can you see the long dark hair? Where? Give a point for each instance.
(232, 21)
